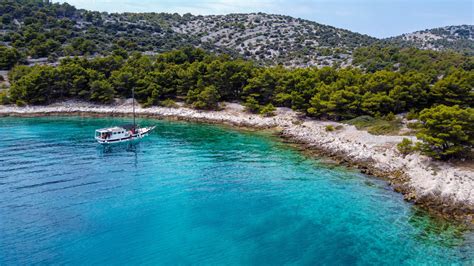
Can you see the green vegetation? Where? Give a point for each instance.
(203, 98)
(268, 110)
(376, 126)
(433, 63)
(361, 121)
(202, 79)
(384, 128)
(457, 38)
(366, 100)
(9, 57)
(39, 28)
(168, 103)
(101, 91)
(330, 128)
(42, 29)
(406, 146)
(252, 105)
(104, 60)
(4, 99)
(447, 131)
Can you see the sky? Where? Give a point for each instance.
(378, 18)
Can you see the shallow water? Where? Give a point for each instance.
(199, 194)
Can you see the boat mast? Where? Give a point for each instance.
(133, 104)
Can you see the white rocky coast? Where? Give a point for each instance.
(443, 187)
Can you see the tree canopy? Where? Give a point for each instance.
(203, 79)
(448, 131)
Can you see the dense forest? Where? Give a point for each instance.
(442, 97)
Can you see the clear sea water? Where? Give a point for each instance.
(199, 194)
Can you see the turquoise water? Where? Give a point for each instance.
(199, 194)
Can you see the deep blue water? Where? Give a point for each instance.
(199, 194)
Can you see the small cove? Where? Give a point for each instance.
(195, 193)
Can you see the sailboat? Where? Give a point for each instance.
(122, 133)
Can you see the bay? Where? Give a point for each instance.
(199, 194)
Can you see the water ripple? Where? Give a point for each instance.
(199, 194)
(45, 183)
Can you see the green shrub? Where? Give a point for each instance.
(102, 91)
(361, 122)
(412, 115)
(406, 146)
(4, 99)
(376, 126)
(8, 57)
(447, 131)
(206, 98)
(390, 117)
(383, 127)
(147, 104)
(330, 128)
(268, 110)
(20, 103)
(168, 103)
(252, 105)
(414, 125)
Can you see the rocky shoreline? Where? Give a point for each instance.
(441, 187)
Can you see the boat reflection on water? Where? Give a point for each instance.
(127, 149)
(125, 146)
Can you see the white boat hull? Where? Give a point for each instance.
(142, 132)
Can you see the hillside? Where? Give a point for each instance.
(39, 31)
(458, 38)
(43, 29)
(275, 38)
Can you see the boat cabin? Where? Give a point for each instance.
(113, 134)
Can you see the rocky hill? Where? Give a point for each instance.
(40, 29)
(275, 38)
(43, 29)
(458, 38)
